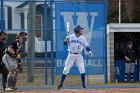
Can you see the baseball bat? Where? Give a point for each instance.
(20, 49)
(68, 28)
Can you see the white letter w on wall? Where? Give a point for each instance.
(85, 19)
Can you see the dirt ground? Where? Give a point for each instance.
(103, 90)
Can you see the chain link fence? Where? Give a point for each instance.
(23, 15)
(37, 18)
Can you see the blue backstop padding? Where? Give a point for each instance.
(119, 70)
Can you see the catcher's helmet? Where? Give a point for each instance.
(21, 34)
(77, 28)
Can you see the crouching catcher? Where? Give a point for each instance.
(12, 60)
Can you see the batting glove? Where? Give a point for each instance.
(67, 38)
(90, 53)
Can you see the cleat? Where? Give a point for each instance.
(132, 80)
(15, 88)
(125, 80)
(8, 89)
(4, 88)
(83, 87)
(59, 86)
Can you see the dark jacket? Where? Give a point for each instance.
(3, 69)
(130, 53)
(2, 50)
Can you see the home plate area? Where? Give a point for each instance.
(99, 89)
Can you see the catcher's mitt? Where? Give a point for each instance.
(20, 67)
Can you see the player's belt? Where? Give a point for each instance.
(74, 53)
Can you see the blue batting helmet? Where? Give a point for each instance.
(77, 28)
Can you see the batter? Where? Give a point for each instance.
(76, 43)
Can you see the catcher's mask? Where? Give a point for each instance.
(4, 35)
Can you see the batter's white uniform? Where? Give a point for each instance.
(75, 48)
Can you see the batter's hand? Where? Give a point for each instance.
(67, 38)
(90, 53)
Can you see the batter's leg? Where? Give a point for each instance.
(81, 67)
(62, 81)
(83, 80)
(69, 63)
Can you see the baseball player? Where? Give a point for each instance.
(76, 43)
(130, 58)
(11, 59)
(3, 69)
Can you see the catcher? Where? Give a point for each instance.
(12, 60)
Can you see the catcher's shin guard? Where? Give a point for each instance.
(10, 81)
(14, 83)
